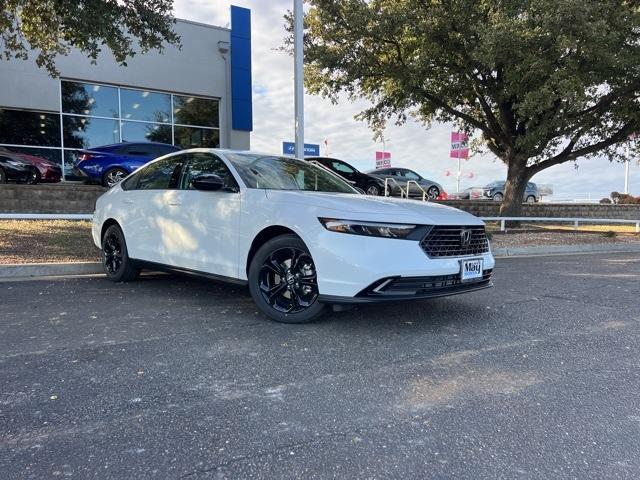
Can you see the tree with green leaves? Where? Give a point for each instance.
(539, 82)
(48, 28)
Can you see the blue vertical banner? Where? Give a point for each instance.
(241, 102)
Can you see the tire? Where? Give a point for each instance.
(113, 176)
(433, 192)
(3, 176)
(115, 258)
(531, 199)
(283, 281)
(373, 189)
(35, 177)
(498, 197)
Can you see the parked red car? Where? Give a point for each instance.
(48, 171)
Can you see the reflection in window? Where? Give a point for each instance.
(149, 132)
(51, 154)
(89, 99)
(85, 132)
(160, 175)
(18, 127)
(203, 164)
(202, 112)
(145, 105)
(190, 137)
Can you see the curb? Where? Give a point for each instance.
(564, 249)
(50, 269)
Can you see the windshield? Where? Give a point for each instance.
(282, 173)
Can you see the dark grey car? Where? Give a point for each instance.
(404, 175)
(495, 191)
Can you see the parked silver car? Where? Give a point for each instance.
(402, 176)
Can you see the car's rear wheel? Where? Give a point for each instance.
(283, 281)
(3, 176)
(433, 192)
(115, 258)
(531, 199)
(498, 197)
(113, 176)
(373, 189)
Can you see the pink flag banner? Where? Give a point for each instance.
(459, 145)
(383, 159)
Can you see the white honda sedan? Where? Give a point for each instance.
(301, 237)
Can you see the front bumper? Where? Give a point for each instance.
(348, 265)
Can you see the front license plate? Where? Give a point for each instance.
(471, 269)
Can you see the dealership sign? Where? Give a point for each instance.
(310, 149)
(383, 159)
(459, 145)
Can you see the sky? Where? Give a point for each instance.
(412, 145)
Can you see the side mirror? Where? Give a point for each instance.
(208, 182)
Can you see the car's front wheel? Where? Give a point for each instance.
(283, 281)
(115, 257)
(498, 197)
(113, 176)
(34, 177)
(531, 199)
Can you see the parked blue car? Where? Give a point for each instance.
(110, 164)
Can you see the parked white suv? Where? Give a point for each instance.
(301, 237)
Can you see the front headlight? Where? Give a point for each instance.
(369, 229)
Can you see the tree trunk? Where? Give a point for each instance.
(517, 178)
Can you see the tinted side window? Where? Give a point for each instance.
(136, 149)
(341, 167)
(202, 164)
(410, 175)
(161, 175)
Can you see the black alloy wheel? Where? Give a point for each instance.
(498, 197)
(115, 258)
(34, 176)
(283, 281)
(531, 199)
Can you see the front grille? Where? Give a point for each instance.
(446, 241)
(420, 286)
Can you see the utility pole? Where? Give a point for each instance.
(298, 76)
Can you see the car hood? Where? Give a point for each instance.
(384, 209)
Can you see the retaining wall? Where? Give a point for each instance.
(71, 198)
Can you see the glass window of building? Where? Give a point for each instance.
(191, 137)
(145, 106)
(89, 99)
(87, 132)
(196, 111)
(146, 132)
(19, 127)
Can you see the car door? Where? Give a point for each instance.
(148, 211)
(208, 221)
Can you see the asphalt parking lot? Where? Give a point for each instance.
(180, 378)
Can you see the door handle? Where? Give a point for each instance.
(128, 202)
(174, 204)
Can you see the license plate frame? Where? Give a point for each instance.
(471, 269)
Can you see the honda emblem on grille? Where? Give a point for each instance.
(465, 238)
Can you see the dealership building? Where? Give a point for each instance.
(198, 95)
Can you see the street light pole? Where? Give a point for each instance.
(298, 76)
(626, 169)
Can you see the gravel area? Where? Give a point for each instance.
(526, 239)
(50, 241)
